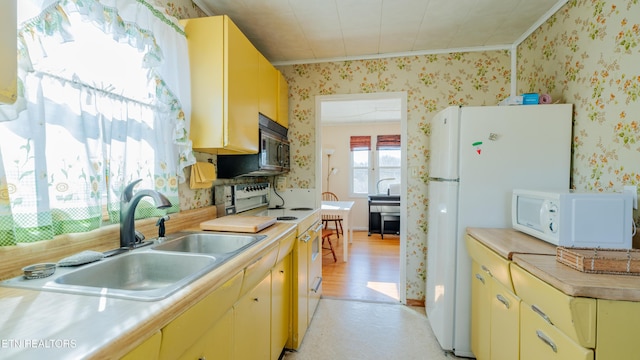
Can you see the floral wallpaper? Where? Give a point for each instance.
(432, 83)
(588, 54)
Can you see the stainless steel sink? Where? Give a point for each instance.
(146, 275)
(209, 243)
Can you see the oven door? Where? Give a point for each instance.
(315, 267)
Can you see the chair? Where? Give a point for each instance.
(326, 235)
(337, 219)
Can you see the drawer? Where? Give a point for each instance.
(286, 245)
(489, 261)
(259, 267)
(183, 332)
(575, 316)
(541, 340)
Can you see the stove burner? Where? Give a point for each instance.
(301, 209)
(286, 218)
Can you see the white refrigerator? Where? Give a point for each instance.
(478, 155)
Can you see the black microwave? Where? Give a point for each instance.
(273, 158)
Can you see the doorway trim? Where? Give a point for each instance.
(402, 95)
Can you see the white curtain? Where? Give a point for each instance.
(104, 100)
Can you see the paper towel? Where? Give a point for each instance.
(545, 99)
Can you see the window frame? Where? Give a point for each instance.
(373, 168)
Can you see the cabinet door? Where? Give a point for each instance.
(252, 325)
(617, 330)
(505, 322)
(280, 306)
(148, 350)
(182, 332)
(217, 343)
(480, 312)
(541, 340)
(283, 101)
(268, 82)
(224, 86)
(241, 63)
(207, 66)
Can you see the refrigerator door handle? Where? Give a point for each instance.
(443, 179)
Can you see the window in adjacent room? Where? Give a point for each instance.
(373, 170)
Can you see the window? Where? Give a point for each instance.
(360, 160)
(373, 171)
(103, 101)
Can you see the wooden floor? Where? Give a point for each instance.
(372, 272)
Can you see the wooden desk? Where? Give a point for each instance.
(341, 208)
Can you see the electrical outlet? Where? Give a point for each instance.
(281, 183)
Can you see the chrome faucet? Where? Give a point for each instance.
(128, 209)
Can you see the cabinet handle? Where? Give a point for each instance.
(503, 300)
(541, 313)
(479, 277)
(306, 237)
(546, 340)
(486, 270)
(315, 289)
(319, 227)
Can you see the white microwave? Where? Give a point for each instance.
(574, 219)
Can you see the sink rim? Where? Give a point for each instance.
(50, 284)
(181, 237)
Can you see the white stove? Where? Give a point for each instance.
(293, 214)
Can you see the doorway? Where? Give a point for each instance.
(336, 118)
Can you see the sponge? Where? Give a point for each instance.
(84, 257)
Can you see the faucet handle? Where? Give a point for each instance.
(139, 237)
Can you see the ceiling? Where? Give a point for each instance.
(305, 31)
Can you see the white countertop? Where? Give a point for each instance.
(50, 325)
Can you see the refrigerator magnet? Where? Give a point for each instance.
(476, 145)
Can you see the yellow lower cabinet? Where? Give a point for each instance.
(505, 323)
(480, 313)
(617, 331)
(252, 323)
(217, 343)
(186, 329)
(280, 306)
(148, 350)
(541, 340)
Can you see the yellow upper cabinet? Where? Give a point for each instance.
(224, 86)
(274, 93)
(8, 53)
(268, 82)
(283, 101)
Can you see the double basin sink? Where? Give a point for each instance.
(148, 275)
